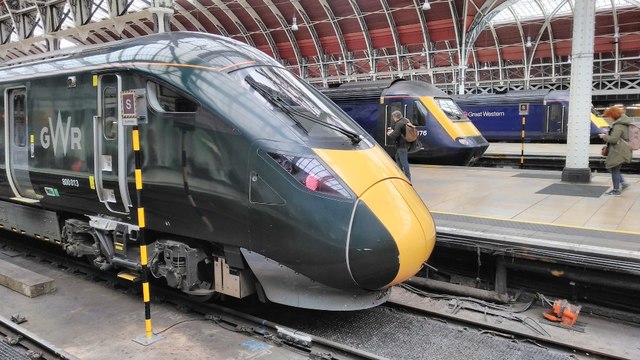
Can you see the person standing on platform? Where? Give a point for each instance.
(402, 147)
(618, 150)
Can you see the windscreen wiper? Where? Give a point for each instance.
(457, 117)
(287, 109)
(273, 100)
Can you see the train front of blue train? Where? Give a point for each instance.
(280, 181)
(447, 136)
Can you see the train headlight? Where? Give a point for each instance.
(465, 141)
(311, 173)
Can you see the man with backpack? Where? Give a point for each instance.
(398, 135)
(619, 150)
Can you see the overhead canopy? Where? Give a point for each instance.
(456, 43)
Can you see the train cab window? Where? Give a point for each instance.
(450, 108)
(391, 107)
(19, 107)
(110, 112)
(420, 114)
(163, 99)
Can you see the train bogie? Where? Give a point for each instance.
(247, 176)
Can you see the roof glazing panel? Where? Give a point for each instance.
(526, 10)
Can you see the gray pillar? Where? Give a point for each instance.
(162, 11)
(577, 163)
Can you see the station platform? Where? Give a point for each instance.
(532, 212)
(541, 149)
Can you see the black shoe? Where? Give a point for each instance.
(613, 192)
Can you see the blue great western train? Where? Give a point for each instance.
(448, 137)
(253, 181)
(497, 115)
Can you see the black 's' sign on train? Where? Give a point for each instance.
(254, 182)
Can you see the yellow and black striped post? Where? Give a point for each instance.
(524, 120)
(149, 337)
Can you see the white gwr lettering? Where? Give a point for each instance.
(66, 134)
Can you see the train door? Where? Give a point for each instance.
(419, 119)
(17, 145)
(110, 153)
(555, 118)
(389, 107)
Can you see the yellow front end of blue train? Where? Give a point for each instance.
(456, 128)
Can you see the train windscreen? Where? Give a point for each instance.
(451, 109)
(296, 101)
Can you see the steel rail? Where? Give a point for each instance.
(538, 338)
(34, 342)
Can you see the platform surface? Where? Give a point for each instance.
(515, 194)
(533, 207)
(541, 149)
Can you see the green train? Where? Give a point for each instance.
(254, 182)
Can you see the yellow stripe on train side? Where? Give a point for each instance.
(455, 129)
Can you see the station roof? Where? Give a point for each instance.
(346, 37)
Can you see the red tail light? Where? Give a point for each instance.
(311, 173)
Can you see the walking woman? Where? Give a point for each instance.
(618, 150)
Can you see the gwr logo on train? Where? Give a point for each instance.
(63, 132)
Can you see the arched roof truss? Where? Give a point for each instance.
(287, 29)
(453, 44)
(308, 24)
(263, 30)
(238, 24)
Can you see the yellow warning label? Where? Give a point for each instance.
(95, 80)
(92, 182)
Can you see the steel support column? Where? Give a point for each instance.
(577, 164)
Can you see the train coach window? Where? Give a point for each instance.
(19, 120)
(419, 114)
(164, 99)
(110, 112)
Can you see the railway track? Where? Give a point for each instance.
(377, 333)
(314, 347)
(17, 343)
(538, 335)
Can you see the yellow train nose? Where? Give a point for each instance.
(392, 235)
